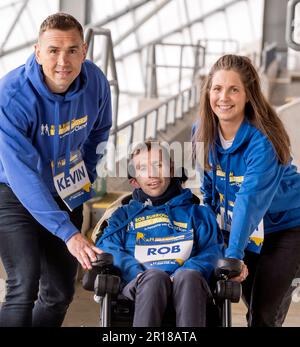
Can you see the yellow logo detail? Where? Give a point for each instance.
(180, 225)
(151, 222)
(66, 127)
(180, 261)
(257, 240)
(220, 173)
(87, 187)
(140, 236)
(232, 178)
(236, 179)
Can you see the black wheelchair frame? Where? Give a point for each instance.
(104, 279)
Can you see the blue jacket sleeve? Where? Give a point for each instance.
(93, 148)
(261, 181)
(20, 160)
(114, 243)
(208, 243)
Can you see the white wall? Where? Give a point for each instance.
(290, 116)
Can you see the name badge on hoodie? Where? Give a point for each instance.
(256, 239)
(76, 188)
(166, 252)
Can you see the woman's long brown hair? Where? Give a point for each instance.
(257, 110)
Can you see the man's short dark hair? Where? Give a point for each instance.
(148, 146)
(61, 21)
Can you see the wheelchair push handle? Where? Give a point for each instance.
(228, 268)
(103, 260)
(102, 265)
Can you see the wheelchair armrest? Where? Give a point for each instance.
(228, 268)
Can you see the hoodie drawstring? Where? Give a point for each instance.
(214, 187)
(73, 109)
(214, 169)
(56, 137)
(227, 174)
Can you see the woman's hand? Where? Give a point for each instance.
(243, 275)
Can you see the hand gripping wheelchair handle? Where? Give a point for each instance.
(228, 268)
(101, 278)
(225, 289)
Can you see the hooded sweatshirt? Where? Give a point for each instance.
(38, 127)
(249, 184)
(172, 236)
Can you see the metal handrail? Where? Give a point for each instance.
(167, 112)
(292, 25)
(269, 54)
(164, 113)
(152, 66)
(108, 61)
(204, 42)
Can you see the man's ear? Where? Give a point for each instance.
(84, 48)
(134, 184)
(37, 53)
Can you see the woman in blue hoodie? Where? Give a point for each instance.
(164, 244)
(54, 112)
(250, 183)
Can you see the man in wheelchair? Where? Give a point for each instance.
(165, 245)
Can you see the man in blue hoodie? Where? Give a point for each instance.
(54, 112)
(165, 245)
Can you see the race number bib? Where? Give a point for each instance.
(163, 250)
(75, 189)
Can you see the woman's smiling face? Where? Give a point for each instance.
(227, 97)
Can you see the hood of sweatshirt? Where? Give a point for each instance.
(241, 138)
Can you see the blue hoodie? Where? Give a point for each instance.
(250, 184)
(38, 126)
(173, 236)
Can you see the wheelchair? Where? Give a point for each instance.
(117, 311)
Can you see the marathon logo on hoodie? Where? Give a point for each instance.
(233, 180)
(167, 253)
(75, 189)
(157, 220)
(64, 129)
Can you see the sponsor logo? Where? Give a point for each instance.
(66, 128)
(45, 130)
